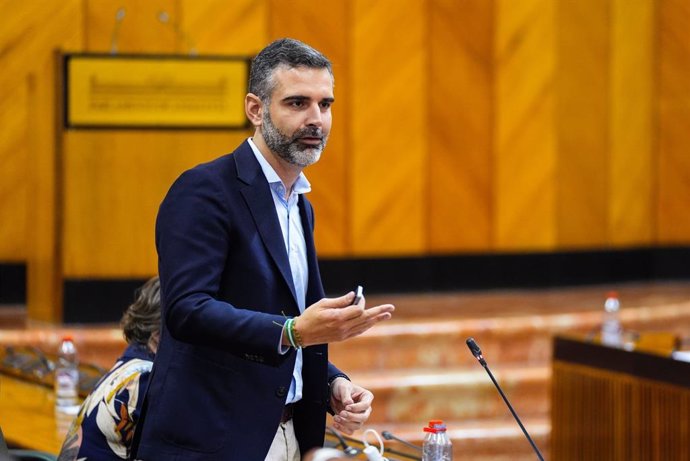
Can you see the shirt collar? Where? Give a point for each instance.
(301, 186)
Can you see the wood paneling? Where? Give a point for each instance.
(582, 125)
(139, 31)
(389, 134)
(29, 36)
(219, 27)
(328, 32)
(460, 89)
(632, 172)
(525, 135)
(114, 182)
(673, 221)
(481, 125)
(14, 151)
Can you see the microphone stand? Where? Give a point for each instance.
(388, 436)
(349, 450)
(477, 353)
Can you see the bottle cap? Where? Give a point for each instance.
(612, 294)
(68, 338)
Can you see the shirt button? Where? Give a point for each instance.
(281, 391)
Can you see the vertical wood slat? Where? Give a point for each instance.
(329, 33)
(50, 28)
(14, 188)
(582, 122)
(389, 127)
(598, 414)
(632, 135)
(673, 219)
(460, 90)
(524, 137)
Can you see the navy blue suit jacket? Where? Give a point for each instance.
(219, 384)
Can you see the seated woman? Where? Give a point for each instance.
(104, 427)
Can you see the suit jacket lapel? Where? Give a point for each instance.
(257, 195)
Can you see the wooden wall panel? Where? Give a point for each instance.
(29, 33)
(632, 135)
(219, 27)
(114, 184)
(460, 88)
(389, 127)
(140, 30)
(329, 33)
(47, 27)
(115, 180)
(673, 219)
(582, 122)
(460, 126)
(14, 152)
(524, 137)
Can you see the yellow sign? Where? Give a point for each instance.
(141, 91)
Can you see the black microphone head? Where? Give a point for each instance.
(387, 435)
(474, 348)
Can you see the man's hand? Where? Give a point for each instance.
(336, 319)
(351, 405)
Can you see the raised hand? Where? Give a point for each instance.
(336, 319)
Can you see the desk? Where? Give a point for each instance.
(28, 419)
(613, 404)
(27, 416)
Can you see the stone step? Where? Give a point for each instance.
(509, 339)
(411, 396)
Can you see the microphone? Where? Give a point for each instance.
(477, 353)
(388, 436)
(349, 451)
(119, 17)
(164, 18)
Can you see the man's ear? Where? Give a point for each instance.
(254, 108)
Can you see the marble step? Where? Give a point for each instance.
(504, 339)
(418, 395)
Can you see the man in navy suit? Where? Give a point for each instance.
(242, 370)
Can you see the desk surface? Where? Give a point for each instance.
(28, 419)
(636, 363)
(27, 416)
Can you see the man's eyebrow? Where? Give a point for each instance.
(299, 98)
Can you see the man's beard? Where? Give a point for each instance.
(289, 148)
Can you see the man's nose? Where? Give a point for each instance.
(314, 116)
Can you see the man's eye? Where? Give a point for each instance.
(297, 104)
(326, 104)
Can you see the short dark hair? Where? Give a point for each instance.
(286, 52)
(143, 317)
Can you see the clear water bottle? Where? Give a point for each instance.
(611, 330)
(67, 378)
(436, 446)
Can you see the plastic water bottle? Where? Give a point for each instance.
(611, 330)
(67, 378)
(436, 445)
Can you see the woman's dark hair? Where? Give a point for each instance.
(143, 316)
